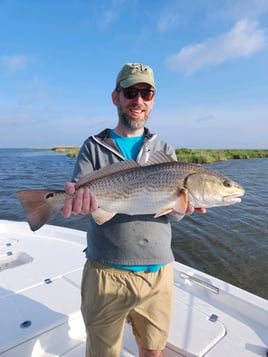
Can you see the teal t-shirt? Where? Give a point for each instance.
(130, 147)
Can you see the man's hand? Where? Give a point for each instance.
(191, 209)
(84, 201)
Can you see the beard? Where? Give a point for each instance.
(131, 122)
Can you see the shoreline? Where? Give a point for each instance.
(71, 151)
(198, 156)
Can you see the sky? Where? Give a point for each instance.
(59, 60)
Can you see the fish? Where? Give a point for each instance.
(159, 187)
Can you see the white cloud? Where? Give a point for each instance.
(114, 11)
(15, 63)
(107, 18)
(243, 40)
(167, 21)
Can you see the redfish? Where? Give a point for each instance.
(159, 187)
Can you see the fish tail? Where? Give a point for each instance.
(40, 205)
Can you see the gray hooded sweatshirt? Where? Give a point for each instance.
(125, 239)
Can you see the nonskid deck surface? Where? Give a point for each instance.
(40, 276)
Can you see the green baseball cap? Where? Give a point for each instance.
(133, 73)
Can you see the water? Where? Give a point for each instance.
(230, 243)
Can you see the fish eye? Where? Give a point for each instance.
(227, 183)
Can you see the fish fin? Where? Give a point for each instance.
(163, 212)
(181, 202)
(101, 216)
(38, 206)
(179, 206)
(106, 171)
(159, 157)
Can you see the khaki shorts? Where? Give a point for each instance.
(110, 296)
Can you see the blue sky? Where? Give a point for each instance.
(59, 60)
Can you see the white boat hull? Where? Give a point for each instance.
(40, 277)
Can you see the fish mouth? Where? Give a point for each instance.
(232, 198)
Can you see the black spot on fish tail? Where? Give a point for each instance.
(49, 195)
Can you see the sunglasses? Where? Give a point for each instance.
(132, 92)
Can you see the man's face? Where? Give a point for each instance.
(133, 113)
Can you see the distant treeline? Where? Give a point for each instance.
(199, 156)
(71, 151)
(206, 156)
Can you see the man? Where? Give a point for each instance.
(128, 273)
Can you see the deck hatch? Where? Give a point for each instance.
(13, 260)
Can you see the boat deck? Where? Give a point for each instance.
(40, 277)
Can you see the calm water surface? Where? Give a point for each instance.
(230, 243)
